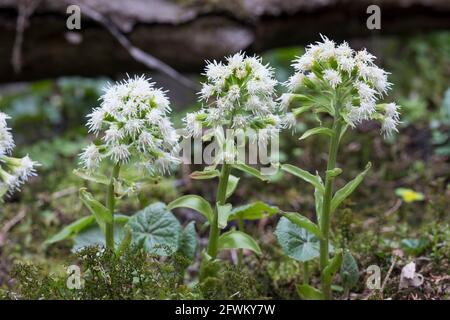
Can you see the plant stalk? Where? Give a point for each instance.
(110, 204)
(325, 218)
(306, 272)
(220, 198)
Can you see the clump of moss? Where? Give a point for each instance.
(105, 275)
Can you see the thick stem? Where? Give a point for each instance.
(110, 204)
(220, 198)
(325, 218)
(240, 251)
(306, 272)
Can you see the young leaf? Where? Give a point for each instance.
(100, 212)
(156, 229)
(332, 267)
(318, 199)
(126, 241)
(71, 229)
(303, 222)
(91, 176)
(347, 190)
(250, 170)
(307, 292)
(333, 173)
(238, 240)
(232, 185)
(193, 202)
(349, 271)
(203, 175)
(296, 242)
(188, 241)
(319, 130)
(305, 175)
(253, 211)
(223, 212)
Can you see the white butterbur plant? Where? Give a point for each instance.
(132, 128)
(14, 172)
(238, 96)
(332, 82)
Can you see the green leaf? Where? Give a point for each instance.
(156, 229)
(232, 185)
(188, 241)
(349, 271)
(318, 199)
(333, 173)
(223, 212)
(125, 243)
(333, 266)
(193, 202)
(303, 222)
(307, 292)
(71, 229)
(91, 176)
(238, 240)
(253, 211)
(319, 130)
(296, 242)
(92, 235)
(100, 212)
(347, 190)
(250, 170)
(203, 175)
(305, 175)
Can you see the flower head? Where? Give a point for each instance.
(238, 93)
(133, 123)
(14, 172)
(337, 80)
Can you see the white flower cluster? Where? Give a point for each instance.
(133, 123)
(238, 94)
(13, 171)
(344, 77)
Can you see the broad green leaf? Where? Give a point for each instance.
(307, 292)
(92, 176)
(305, 175)
(223, 212)
(347, 190)
(250, 170)
(253, 211)
(320, 130)
(333, 266)
(232, 185)
(238, 240)
(100, 212)
(188, 241)
(303, 222)
(71, 229)
(296, 242)
(193, 202)
(92, 235)
(203, 175)
(349, 271)
(156, 229)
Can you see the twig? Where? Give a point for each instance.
(388, 275)
(9, 225)
(138, 54)
(396, 206)
(25, 9)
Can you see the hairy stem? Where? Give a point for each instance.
(325, 218)
(110, 204)
(220, 198)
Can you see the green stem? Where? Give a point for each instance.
(325, 219)
(110, 204)
(220, 198)
(240, 251)
(306, 272)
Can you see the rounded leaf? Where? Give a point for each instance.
(156, 229)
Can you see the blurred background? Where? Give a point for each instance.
(50, 78)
